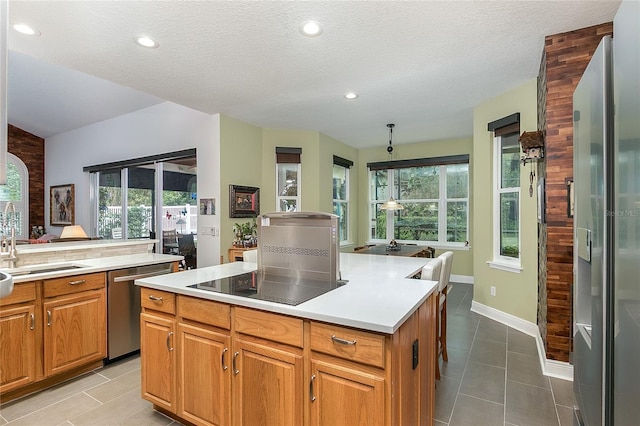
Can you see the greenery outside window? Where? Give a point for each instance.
(435, 198)
(17, 192)
(341, 197)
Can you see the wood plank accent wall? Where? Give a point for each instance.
(565, 58)
(30, 149)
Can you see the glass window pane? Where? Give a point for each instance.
(418, 183)
(109, 205)
(379, 180)
(339, 182)
(288, 180)
(457, 181)
(509, 225)
(417, 222)
(140, 201)
(341, 210)
(288, 205)
(378, 221)
(457, 221)
(510, 162)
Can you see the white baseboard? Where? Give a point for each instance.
(551, 368)
(464, 279)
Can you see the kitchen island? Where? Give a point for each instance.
(363, 353)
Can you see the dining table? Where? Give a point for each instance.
(408, 250)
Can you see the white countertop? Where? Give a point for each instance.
(92, 265)
(378, 296)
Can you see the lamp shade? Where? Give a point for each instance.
(74, 231)
(181, 221)
(392, 204)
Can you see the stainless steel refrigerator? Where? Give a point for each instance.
(606, 326)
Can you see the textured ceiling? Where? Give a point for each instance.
(422, 65)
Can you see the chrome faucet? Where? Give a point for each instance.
(9, 253)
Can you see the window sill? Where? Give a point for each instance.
(503, 266)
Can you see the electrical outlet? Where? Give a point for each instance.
(493, 290)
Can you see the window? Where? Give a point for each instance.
(506, 194)
(341, 196)
(142, 197)
(435, 196)
(17, 192)
(288, 179)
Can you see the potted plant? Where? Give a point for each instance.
(245, 234)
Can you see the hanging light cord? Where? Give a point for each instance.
(390, 147)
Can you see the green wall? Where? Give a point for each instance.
(240, 164)
(516, 293)
(463, 258)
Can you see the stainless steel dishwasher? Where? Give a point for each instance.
(123, 308)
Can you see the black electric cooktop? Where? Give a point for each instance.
(274, 288)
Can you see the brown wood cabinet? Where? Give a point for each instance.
(50, 331)
(242, 366)
(18, 337)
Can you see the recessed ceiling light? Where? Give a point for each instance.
(311, 28)
(350, 95)
(146, 41)
(25, 29)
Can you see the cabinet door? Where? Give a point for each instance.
(158, 361)
(17, 347)
(342, 396)
(204, 376)
(267, 388)
(75, 330)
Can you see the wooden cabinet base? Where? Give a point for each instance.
(50, 381)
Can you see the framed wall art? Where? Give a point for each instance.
(244, 201)
(62, 201)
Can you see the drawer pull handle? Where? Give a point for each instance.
(77, 282)
(233, 363)
(224, 351)
(155, 298)
(343, 341)
(311, 395)
(169, 347)
(33, 322)
(49, 318)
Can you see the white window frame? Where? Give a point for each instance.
(21, 206)
(505, 263)
(442, 202)
(297, 197)
(346, 202)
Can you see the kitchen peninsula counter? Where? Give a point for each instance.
(379, 295)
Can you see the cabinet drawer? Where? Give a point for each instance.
(355, 345)
(205, 311)
(23, 292)
(158, 300)
(275, 327)
(73, 284)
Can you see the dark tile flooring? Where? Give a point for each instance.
(493, 377)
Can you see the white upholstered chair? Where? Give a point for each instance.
(250, 256)
(443, 288)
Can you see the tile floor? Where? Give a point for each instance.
(492, 378)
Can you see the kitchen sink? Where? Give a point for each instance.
(39, 269)
(6, 284)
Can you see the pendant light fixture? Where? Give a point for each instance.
(392, 204)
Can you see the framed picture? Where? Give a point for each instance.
(244, 201)
(62, 201)
(207, 206)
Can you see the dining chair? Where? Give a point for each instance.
(170, 241)
(250, 256)
(187, 248)
(443, 290)
(432, 271)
